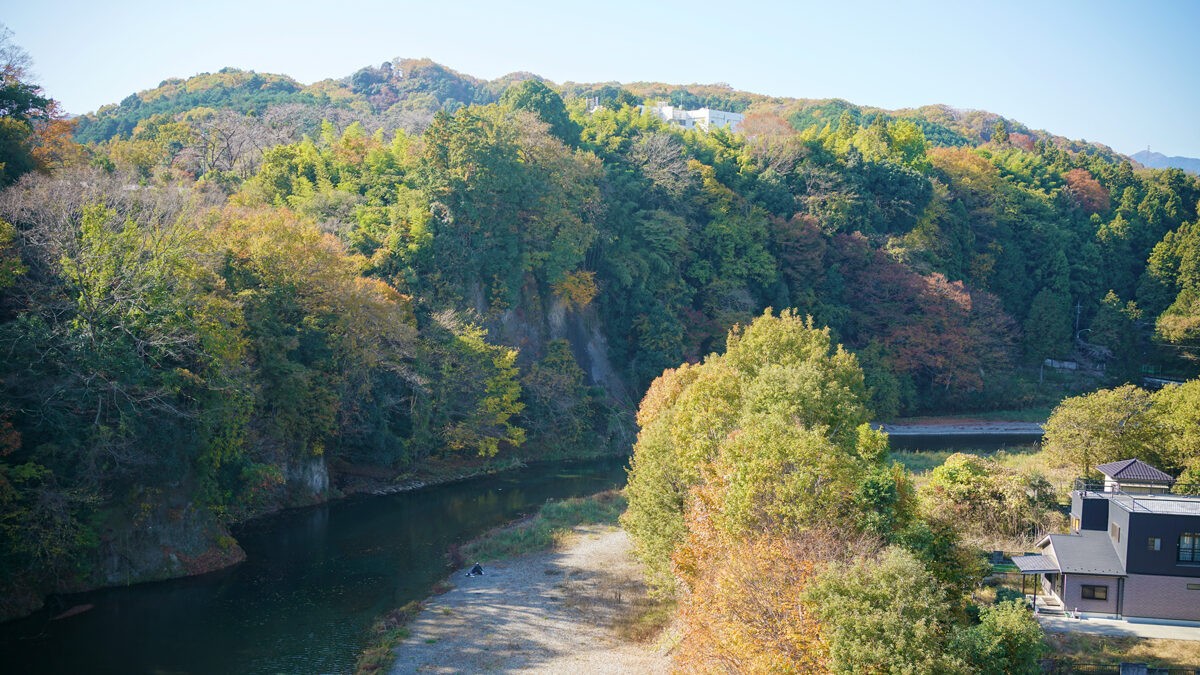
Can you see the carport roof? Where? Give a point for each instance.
(1035, 564)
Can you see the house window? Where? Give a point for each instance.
(1189, 547)
(1154, 544)
(1114, 531)
(1193, 587)
(1093, 592)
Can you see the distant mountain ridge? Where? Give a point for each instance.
(421, 87)
(1157, 160)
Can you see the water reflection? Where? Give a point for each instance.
(313, 581)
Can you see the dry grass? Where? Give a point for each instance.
(547, 528)
(1031, 460)
(387, 632)
(1087, 648)
(987, 592)
(644, 618)
(1011, 545)
(1061, 477)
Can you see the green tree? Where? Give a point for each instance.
(1000, 132)
(883, 616)
(1048, 326)
(1177, 415)
(11, 266)
(533, 95)
(507, 200)
(1104, 426)
(1115, 327)
(479, 390)
(782, 385)
(1006, 640)
(781, 477)
(559, 412)
(22, 108)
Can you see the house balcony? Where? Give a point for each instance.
(1178, 499)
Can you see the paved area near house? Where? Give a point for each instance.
(1116, 627)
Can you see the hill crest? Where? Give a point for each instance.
(423, 86)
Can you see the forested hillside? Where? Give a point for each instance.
(236, 288)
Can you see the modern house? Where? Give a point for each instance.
(704, 119)
(1133, 550)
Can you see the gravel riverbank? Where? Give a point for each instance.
(549, 612)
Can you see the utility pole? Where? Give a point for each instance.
(1078, 308)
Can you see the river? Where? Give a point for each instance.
(314, 579)
(974, 441)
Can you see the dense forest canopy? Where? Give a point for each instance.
(229, 284)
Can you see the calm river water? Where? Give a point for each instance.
(983, 442)
(313, 581)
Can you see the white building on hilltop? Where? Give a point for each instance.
(704, 119)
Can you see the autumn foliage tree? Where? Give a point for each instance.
(1086, 191)
(779, 370)
(744, 609)
(949, 339)
(33, 131)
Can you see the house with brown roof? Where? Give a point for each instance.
(1133, 550)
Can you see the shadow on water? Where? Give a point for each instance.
(313, 581)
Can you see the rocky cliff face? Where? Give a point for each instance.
(168, 535)
(163, 535)
(537, 319)
(540, 318)
(166, 541)
(307, 480)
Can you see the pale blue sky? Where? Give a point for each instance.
(1125, 74)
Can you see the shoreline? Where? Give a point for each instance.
(544, 612)
(415, 480)
(1001, 423)
(961, 427)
